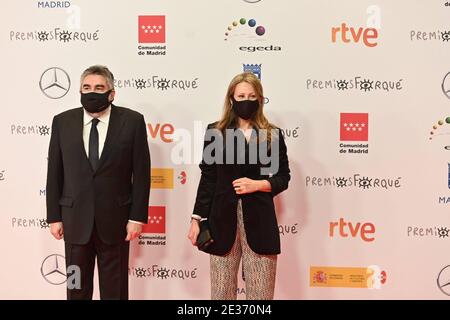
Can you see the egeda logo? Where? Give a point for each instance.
(436, 130)
(250, 34)
(259, 30)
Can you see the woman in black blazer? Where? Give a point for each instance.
(244, 166)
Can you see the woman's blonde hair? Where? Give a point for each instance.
(258, 120)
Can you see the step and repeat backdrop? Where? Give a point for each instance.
(361, 90)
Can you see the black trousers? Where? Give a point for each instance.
(112, 263)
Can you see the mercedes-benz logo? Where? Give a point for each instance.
(443, 280)
(53, 269)
(54, 83)
(446, 85)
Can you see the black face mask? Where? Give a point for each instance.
(94, 102)
(245, 109)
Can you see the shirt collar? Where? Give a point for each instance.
(87, 118)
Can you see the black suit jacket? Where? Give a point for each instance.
(217, 201)
(116, 192)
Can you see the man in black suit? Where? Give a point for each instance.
(98, 184)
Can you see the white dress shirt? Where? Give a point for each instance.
(102, 128)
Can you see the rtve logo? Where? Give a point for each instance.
(344, 229)
(346, 34)
(164, 131)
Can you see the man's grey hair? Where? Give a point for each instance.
(101, 71)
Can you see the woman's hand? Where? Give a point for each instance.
(246, 185)
(194, 230)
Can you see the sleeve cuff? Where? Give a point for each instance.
(197, 217)
(138, 222)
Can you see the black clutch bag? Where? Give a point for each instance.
(204, 238)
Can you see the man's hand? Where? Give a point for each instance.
(133, 230)
(57, 230)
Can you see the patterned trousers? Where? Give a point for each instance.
(259, 270)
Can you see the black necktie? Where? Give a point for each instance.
(93, 144)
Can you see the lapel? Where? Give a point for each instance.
(79, 124)
(234, 168)
(114, 126)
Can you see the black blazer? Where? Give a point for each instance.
(116, 192)
(217, 201)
